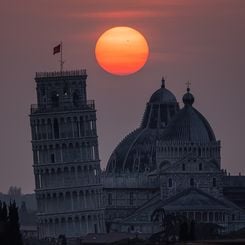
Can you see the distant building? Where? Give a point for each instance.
(66, 158)
(28, 231)
(171, 162)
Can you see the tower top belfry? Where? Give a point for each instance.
(64, 90)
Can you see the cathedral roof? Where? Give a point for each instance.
(137, 151)
(189, 124)
(162, 120)
(194, 199)
(163, 95)
(187, 200)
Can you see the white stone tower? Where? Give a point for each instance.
(65, 154)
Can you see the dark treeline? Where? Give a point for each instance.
(9, 224)
(15, 194)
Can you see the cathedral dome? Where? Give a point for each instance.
(137, 151)
(163, 95)
(189, 124)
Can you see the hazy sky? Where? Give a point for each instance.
(201, 41)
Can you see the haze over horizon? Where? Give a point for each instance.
(201, 41)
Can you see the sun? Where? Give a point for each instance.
(121, 50)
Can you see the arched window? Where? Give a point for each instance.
(75, 99)
(49, 129)
(199, 152)
(200, 166)
(214, 182)
(109, 199)
(56, 129)
(43, 91)
(52, 158)
(82, 126)
(183, 167)
(170, 182)
(55, 99)
(131, 198)
(95, 228)
(191, 182)
(64, 153)
(76, 127)
(65, 89)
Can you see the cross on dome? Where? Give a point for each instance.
(188, 98)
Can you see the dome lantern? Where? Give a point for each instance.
(188, 98)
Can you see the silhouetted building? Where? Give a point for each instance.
(66, 158)
(171, 162)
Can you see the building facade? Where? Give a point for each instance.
(171, 162)
(65, 155)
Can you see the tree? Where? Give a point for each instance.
(168, 224)
(3, 223)
(192, 230)
(15, 237)
(9, 225)
(14, 191)
(4, 213)
(62, 240)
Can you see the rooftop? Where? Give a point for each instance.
(71, 73)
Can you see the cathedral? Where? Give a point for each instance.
(171, 163)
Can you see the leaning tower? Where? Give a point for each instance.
(65, 156)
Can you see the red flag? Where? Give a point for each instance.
(57, 49)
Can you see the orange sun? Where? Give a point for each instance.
(121, 50)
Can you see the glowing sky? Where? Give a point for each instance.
(201, 41)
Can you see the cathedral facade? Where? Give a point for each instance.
(171, 163)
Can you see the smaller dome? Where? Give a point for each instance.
(188, 98)
(162, 95)
(189, 124)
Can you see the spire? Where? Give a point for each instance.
(163, 82)
(188, 86)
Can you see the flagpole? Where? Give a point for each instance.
(61, 58)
